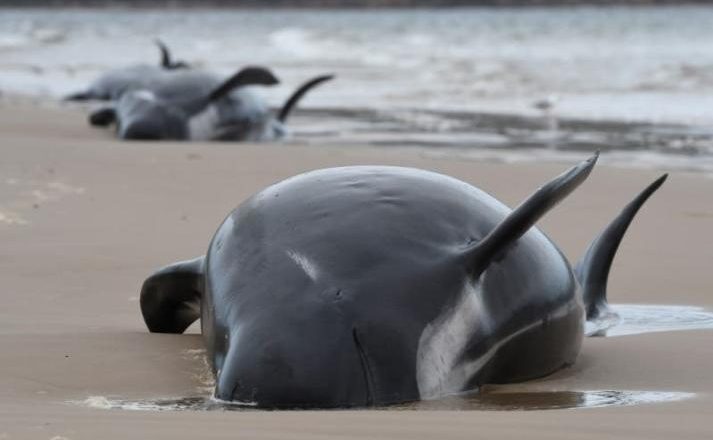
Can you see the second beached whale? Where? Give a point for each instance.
(372, 285)
(111, 85)
(195, 105)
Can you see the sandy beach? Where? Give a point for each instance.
(85, 218)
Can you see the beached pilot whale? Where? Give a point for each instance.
(111, 85)
(372, 285)
(196, 106)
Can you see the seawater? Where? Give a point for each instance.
(630, 319)
(636, 82)
(482, 401)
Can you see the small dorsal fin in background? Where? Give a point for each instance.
(522, 218)
(165, 54)
(171, 297)
(245, 77)
(593, 269)
(166, 61)
(298, 94)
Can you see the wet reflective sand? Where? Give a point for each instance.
(499, 401)
(630, 319)
(528, 401)
(635, 319)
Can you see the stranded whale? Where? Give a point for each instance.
(372, 285)
(196, 105)
(113, 84)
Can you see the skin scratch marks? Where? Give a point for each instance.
(305, 264)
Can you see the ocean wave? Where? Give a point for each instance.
(295, 41)
(651, 66)
(33, 37)
(13, 41)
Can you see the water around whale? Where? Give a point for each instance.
(633, 319)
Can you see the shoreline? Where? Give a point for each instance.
(475, 136)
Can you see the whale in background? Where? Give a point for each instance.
(195, 105)
(112, 84)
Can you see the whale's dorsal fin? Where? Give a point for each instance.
(166, 61)
(522, 218)
(593, 269)
(298, 94)
(171, 297)
(165, 54)
(245, 77)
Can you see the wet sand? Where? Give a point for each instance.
(85, 218)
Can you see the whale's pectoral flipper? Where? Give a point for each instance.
(102, 117)
(593, 269)
(79, 96)
(171, 297)
(298, 94)
(245, 77)
(522, 218)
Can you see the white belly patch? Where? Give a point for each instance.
(442, 343)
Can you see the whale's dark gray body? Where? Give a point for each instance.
(197, 105)
(363, 286)
(113, 84)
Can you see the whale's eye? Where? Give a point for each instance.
(332, 294)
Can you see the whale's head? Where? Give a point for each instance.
(320, 290)
(141, 115)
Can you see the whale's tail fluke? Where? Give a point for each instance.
(593, 269)
(299, 93)
(522, 218)
(171, 298)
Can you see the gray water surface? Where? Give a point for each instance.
(630, 319)
(502, 401)
(636, 82)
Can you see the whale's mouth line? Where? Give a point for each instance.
(366, 369)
